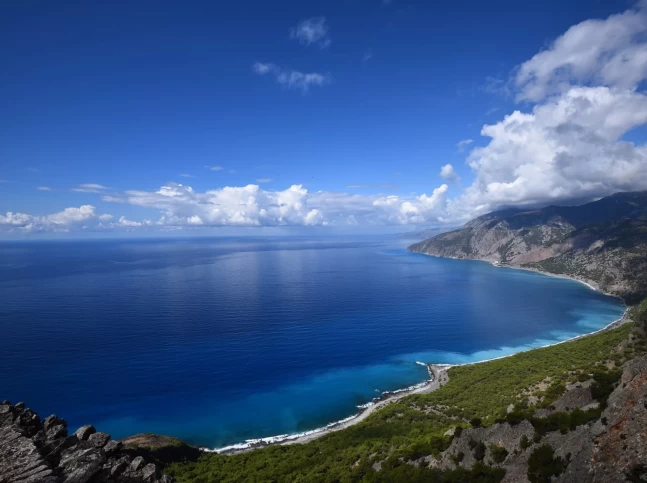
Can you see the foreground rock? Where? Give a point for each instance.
(35, 451)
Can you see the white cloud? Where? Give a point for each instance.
(232, 171)
(569, 145)
(463, 144)
(128, 223)
(43, 188)
(72, 215)
(184, 175)
(66, 220)
(610, 52)
(263, 180)
(90, 188)
(215, 168)
(252, 206)
(567, 148)
(292, 79)
(312, 31)
(447, 172)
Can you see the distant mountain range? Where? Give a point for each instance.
(603, 242)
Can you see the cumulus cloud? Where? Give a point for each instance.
(610, 52)
(65, 220)
(447, 172)
(567, 148)
(292, 79)
(570, 144)
(295, 206)
(312, 31)
(128, 223)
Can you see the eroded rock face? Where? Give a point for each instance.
(32, 451)
(610, 450)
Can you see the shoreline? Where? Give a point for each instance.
(438, 376)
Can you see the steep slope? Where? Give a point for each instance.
(604, 242)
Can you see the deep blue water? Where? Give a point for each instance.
(220, 340)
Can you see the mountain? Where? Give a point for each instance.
(603, 242)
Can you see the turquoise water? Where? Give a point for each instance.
(221, 340)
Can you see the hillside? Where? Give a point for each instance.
(604, 242)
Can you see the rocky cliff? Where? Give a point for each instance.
(604, 242)
(611, 448)
(40, 451)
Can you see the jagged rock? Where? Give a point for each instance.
(32, 451)
(113, 447)
(52, 420)
(19, 405)
(20, 459)
(58, 431)
(150, 472)
(137, 464)
(80, 463)
(99, 440)
(118, 468)
(5, 403)
(84, 432)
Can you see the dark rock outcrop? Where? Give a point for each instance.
(35, 451)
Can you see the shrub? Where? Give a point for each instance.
(525, 442)
(479, 451)
(476, 422)
(543, 465)
(498, 453)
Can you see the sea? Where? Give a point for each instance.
(221, 340)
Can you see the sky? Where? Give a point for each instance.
(340, 116)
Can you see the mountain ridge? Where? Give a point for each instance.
(603, 242)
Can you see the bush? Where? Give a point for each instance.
(498, 453)
(479, 451)
(543, 465)
(525, 442)
(476, 422)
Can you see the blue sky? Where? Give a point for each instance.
(357, 105)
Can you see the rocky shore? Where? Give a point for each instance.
(41, 451)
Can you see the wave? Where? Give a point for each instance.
(257, 443)
(284, 438)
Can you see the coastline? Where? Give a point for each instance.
(438, 374)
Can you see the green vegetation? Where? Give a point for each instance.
(499, 453)
(390, 444)
(486, 390)
(542, 465)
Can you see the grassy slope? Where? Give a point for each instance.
(414, 426)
